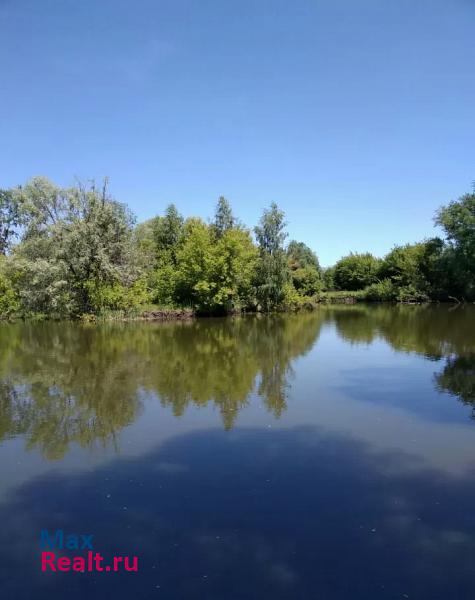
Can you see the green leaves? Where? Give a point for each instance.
(10, 219)
(304, 269)
(9, 300)
(80, 252)
(272, 270)
(458, 221)
(167, 232)
(223, 219)
(215, 273)
(356, 271)
(76, 241)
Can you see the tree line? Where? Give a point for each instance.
(75, 251)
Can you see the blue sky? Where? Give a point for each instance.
(356, 116)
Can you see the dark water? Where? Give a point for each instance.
(328, 455)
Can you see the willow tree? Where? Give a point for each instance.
(76, 250)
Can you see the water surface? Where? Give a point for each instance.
(322, 455)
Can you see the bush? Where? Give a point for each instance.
(164, 285)
(115, 296)
(409, 293)
(9, 301)
(292, 299)
(383, 291)
(356, 271)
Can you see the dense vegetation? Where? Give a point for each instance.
(77, 251)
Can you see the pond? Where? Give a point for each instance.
(324, 455)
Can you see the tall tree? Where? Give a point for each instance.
(328, 278)
(301, 255)
(215, 276)
(223, 218)
(9, 218)
(76, 241)
(272, 270)
(403, 265)
(167, 231)
(458, 221)
(236, 259)
(304, 268)
(195, 264)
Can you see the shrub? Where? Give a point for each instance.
(409, 293)
(292, 299)
(382, 291)
(115, 296)
(356, 271)
(9, 301)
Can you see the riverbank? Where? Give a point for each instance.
(183, 314)
(165, 314)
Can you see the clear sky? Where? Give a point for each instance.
(356, 116)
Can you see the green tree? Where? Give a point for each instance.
(356, 271)
(76, 241)
(328, 278)
(435, 269)
(9, 300)
(402, 266)
(234, 268)
(196, 258)
(9, 219)
(223, 218)
(300, 255)
(167, 232)
(215, 275)
(272, 271)
(144, 240)
(304, 268)
(458, 221)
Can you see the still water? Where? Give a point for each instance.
(327, 455)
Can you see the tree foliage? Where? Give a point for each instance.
(10, 218)
(167, 232)
(458, 221)
(223, 218)
(215, 273)
(356, 271)
(272, 271)
(304, 269)
(76, 240)
(71, 250)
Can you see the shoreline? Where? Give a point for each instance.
(187, 314)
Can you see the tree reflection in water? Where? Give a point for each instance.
(67, 382)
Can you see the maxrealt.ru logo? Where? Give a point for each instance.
(53, 546)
